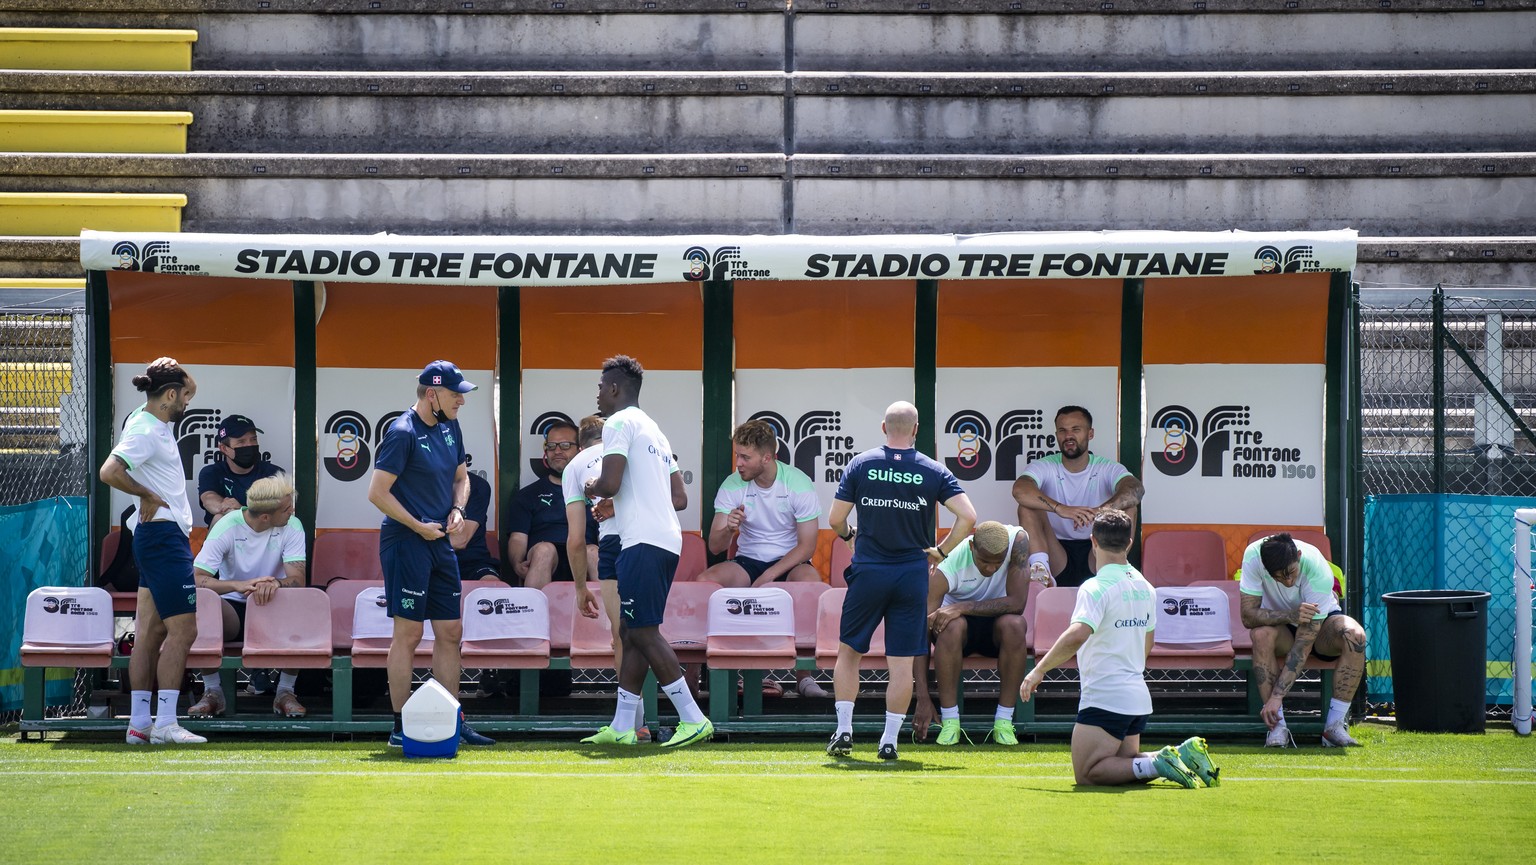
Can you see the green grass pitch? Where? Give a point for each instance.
(1401, 798)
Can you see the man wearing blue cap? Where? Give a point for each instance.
(421, 484)
(223, 483)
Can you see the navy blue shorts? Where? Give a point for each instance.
(1115, 724)
(645, 579)
(755, 568)
(421, 577)
(164, 556)
(897, 593)
(608, 557)
(1076, 572)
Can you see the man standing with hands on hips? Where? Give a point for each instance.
(421, 484)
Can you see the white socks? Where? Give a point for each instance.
(1143, 769)
(893, 722)
(1003, 713)
(624, 713)
(140, 713)
(286, 681)
(1281, 722)
(213, 682)
(639, 713)
(165, 707)
(948, 712)
(683, 701)
(1337, 709)
(1040, 559)
(844, 716)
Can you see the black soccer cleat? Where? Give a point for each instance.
(841, 745)
(888, 751)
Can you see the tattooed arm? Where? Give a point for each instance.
(1306, 634)
(1254, 617)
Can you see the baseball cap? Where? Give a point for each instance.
(235, 426)
(442, 373)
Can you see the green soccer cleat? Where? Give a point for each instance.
(687, 734)
(1003, 732)
(949, 732)
(609, 736)
(1169, 766)
(1197, 759)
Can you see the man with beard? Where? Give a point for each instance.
(537, 525)
(223, 483)
(146, 464)
(1060, 494)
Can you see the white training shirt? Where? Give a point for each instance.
(1119, 605)
(966, 582)
(768, 530)
(235, 551)
(1088, 488)
(1315, 586)
(586, 466)
(643, 505)
(148, 447)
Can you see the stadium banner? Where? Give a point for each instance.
(1234, 381)
(262, 393)
(371, 342)
(1007, 360)
(234, 336)
(821, 363)
(566, 336)
(536, 261)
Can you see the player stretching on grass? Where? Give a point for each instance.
(638, 475)
(895, 489)
(1111, 634)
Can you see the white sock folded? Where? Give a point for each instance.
(624, 712)
(1040, 559)
(948, 712)
(213, 682)
(141, 714)
(844, 716)
(682, 700)
(165, 707)
(286, 681)
(893, 722)
(1337, 709)
(1003, 713)
(1143, 769)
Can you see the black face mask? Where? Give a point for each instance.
(439, 414)
(247, 456)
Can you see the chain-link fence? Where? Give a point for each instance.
(44, 476)
(1448, 392)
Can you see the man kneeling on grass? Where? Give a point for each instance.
(1111, 634)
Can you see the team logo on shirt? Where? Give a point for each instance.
(980, 446)
(1229, 447)
(814, 444)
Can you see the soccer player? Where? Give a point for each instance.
(246, 551)
(421, 484)
(894, 489)
(1111, 634)
(146, 464)
(1290, 610)
(976, 601)
(771, 509)
(639, 474)
(1058, 496)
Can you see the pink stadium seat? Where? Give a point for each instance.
(841, 557)
(346, 555)
(1031, 604)
(1178, 558)
(694, 559)
(1311, 536)
(208, 649)
(342, 595)
(1053, 614)
(501, 640)
(829, 616)
(771, 643)
(591, 639)
(562, 604)
(293, 630)
(85, 642)
(1242, 640)
(807, 597)
(686, 620)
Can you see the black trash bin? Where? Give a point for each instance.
(1439, 645)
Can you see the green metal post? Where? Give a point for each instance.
(1437, 408)
(306, 446)
(99, 430)
(1132, 302)
(509, 372)
(925, 363)
(1338, 419)
(719, 361)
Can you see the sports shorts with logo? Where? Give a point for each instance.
(164, 556)
(894, 592)
(645, 578)
(421, 577)
(608, 550)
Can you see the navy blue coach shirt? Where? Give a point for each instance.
(424, 460)
(896, 493)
